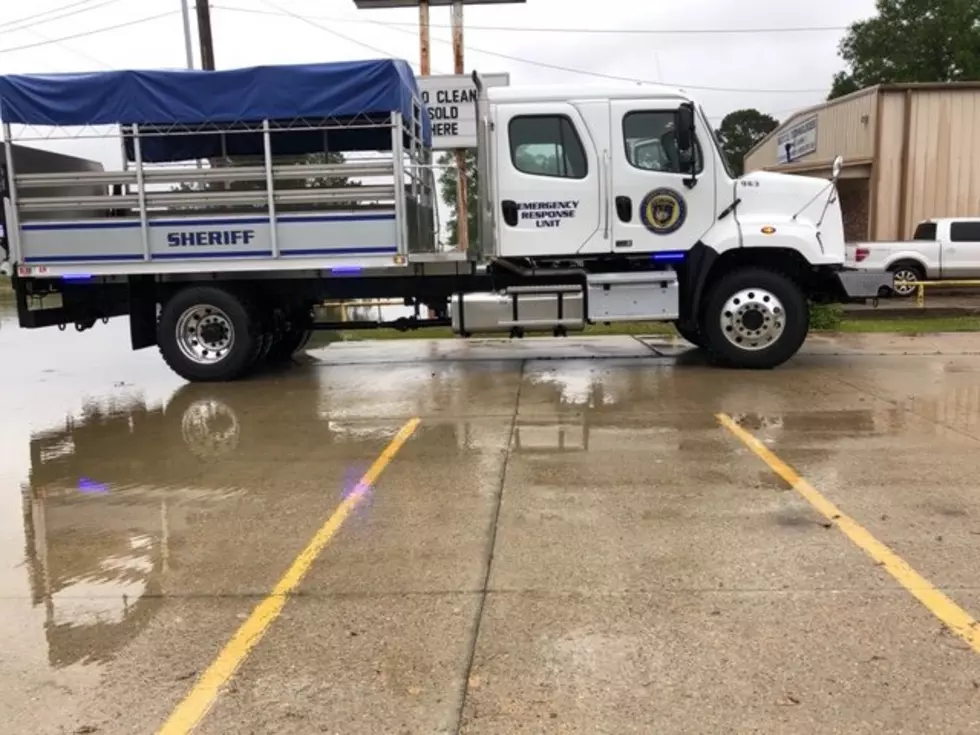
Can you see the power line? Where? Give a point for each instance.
(23, 24)
(618, 78)
(92, 32)
(311, 22)
(609, 31)
(82, 54)
(542, 64)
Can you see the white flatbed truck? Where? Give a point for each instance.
(246, 197)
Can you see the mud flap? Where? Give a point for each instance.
(694, 275)
(142, 312)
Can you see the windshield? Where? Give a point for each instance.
(718, 146)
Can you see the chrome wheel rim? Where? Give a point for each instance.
(205, 334)
(753, 319)
(905, 281)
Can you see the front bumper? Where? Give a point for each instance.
(861, 285)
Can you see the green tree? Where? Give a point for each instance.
(911, 41)
(740, 131)
(449, 191)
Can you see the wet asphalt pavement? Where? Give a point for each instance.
(569, 542)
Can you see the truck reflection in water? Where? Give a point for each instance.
(127, 502)
(102, 503)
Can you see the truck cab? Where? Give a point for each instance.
(597, 172)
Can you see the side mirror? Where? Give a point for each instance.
(837, 168)
(685, 127)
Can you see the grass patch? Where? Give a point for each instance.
(913, 325)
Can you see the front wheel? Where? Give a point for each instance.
(755, 318)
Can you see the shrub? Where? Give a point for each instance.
(825, 316)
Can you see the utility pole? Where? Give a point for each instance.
(185, 14)
(424, 68)
(204, 34)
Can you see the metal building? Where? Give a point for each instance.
(911, 152)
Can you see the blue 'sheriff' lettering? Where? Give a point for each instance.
(204, 238)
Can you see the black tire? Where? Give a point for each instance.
(911, 272)
(288, 345)
(223, 307)
(691, 335)
(763, 340)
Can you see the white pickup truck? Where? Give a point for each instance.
(940, 249)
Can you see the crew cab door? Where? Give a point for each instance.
(960, 244)
(549, 181)
(658, 205)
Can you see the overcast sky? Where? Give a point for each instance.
(777, 72)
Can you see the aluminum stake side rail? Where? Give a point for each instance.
(247, 197)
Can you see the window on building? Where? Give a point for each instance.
(964, 231)
(547, 145)
(925, 231)
(651, 145)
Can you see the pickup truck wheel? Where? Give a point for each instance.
(907, 277)
(207, 334)
(755, 318)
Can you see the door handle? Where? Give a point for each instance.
(509, 209)
(624, 208)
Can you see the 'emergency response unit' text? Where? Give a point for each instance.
(548, 214)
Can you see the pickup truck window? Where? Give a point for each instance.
(650, 143)
(547, 145)
(964, 231)
(925, 231)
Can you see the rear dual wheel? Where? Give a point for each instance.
(216, 334)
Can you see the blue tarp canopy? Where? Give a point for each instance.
(223, 100)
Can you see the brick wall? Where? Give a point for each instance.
(855, 206)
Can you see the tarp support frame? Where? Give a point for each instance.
(13, 213)
(398, 160)
(270, 187)
(141, 194)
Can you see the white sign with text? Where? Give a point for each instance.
(452, 107)
(797, 141)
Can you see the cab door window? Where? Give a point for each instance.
(651, 144)
(547, 145)
(964, 231)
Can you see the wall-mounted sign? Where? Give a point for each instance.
(797, 141)
(452, 107)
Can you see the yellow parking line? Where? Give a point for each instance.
(200, 699)
(951, 614)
